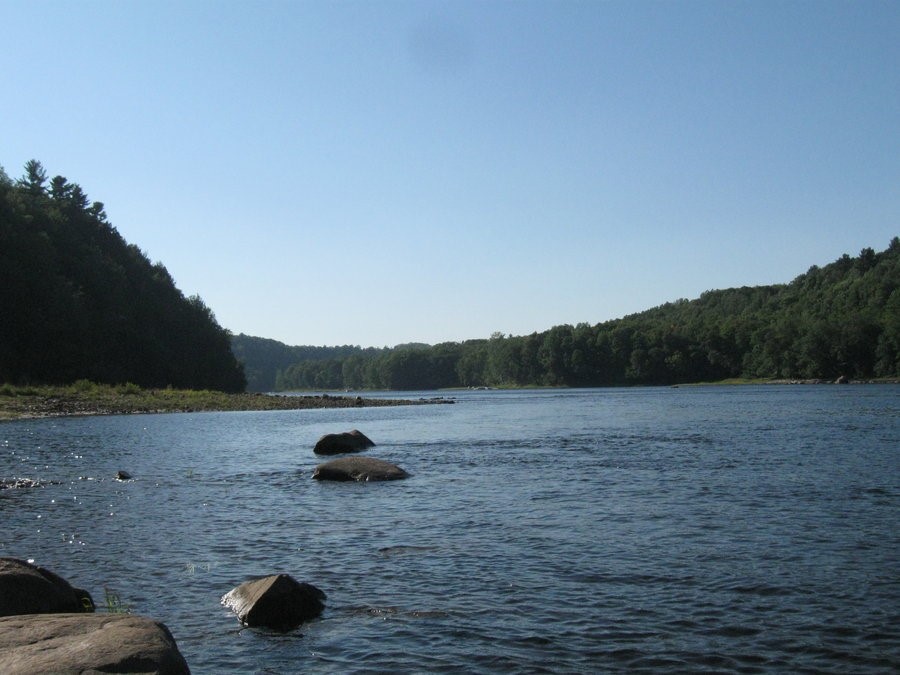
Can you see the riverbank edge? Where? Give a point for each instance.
(83, 399)
(734, 381)
(742, 381)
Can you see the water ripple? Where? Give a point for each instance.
(712, 529)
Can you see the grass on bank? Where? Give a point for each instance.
(113, 603)
(89, 398)
(84, 397)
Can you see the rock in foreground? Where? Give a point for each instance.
(358, 468)
(77, 643)
(279, 602)
(348, 441)
(29, 589)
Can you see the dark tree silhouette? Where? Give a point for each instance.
(78, 302)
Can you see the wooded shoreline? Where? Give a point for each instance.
(91, 399)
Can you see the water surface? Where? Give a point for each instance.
(728, 529)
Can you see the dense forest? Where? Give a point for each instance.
(78, 302)
(264, 358)
(839, 320)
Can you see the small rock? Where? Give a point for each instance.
(359, 469)
(279, 602)
(123, 475)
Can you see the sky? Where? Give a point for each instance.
(381, 172)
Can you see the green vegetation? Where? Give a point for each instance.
(113, 603)
(78, 302)
(88, 398)
(265, 360)
(839, 320)
(262, 358)
(84, 397)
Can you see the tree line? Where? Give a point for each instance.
(263, 358)
(78, 302)
(842, 319)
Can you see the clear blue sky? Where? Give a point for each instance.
(374, 172)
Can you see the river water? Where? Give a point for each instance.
(746, 529)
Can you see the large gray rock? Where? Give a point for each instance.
(278, 601)
(81, 643)
(29, 589)
(348, 441)
(358, 468)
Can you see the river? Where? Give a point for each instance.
(748, 529)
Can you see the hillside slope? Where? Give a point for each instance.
(264, 358)
(78, 302)
(839, 320)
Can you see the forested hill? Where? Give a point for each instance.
(266, 360)
(263, 358)
(78, 302)
(839, 320)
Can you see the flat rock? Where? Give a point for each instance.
(347, 441)
(279, 602)
(29, 589)
(87, 643)
(359, 469)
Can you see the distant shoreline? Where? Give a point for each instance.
(84, 399)
(734, 381)
(740, 381)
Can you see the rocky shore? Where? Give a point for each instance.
(100, 400)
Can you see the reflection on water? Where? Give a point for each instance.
(745, 529)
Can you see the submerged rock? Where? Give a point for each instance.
(279, 602)
(359, 469)
(29, 589)
(76, 643)
(347, 441)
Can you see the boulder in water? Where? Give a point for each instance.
(359, 469)
(279, 602)
(347, 441)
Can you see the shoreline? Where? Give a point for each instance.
(85, 399)
(88, 399)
